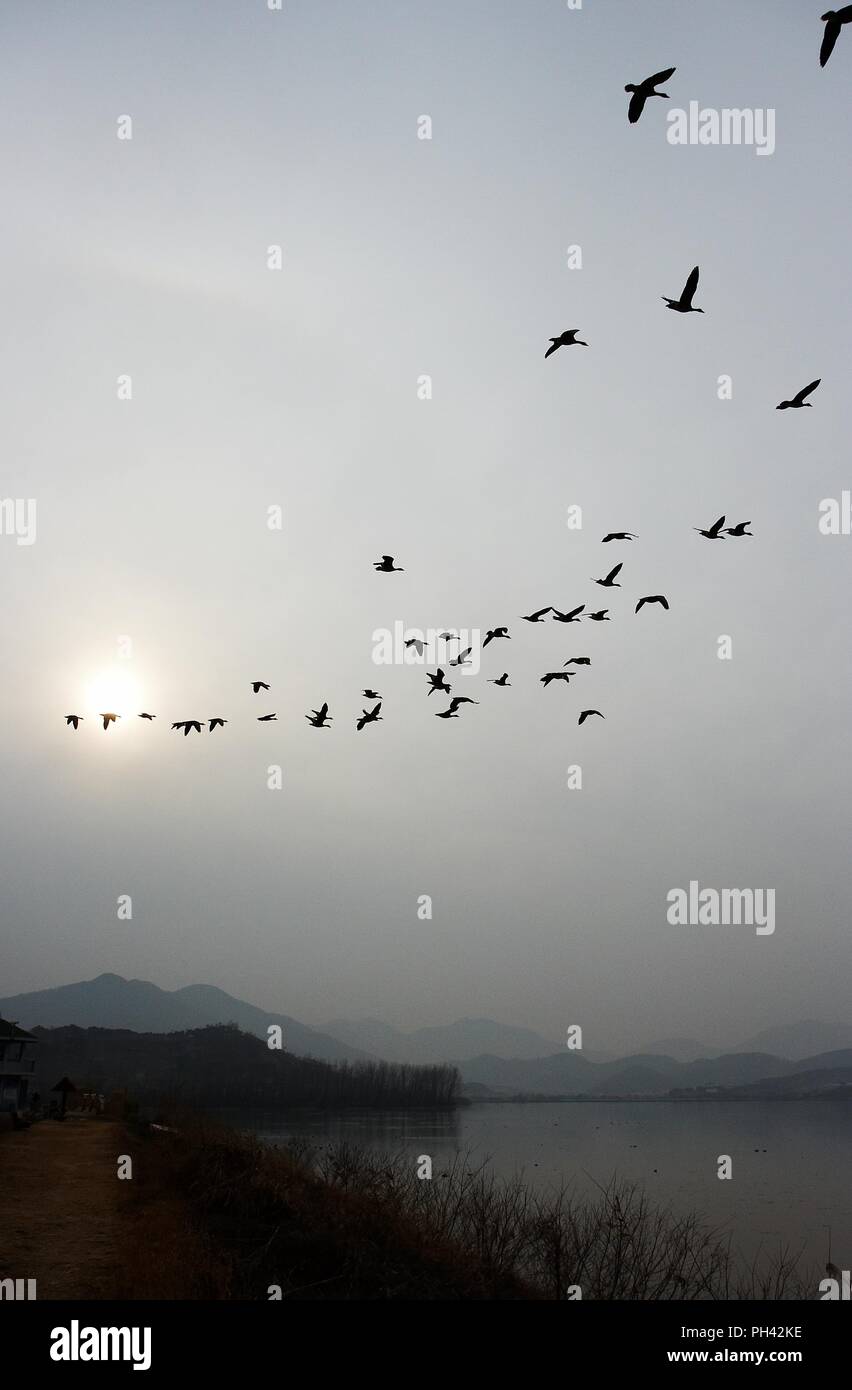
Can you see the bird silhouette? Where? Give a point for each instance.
(537, 616)
(572, 617)
(437, 681)
(798, 402)
(371, 694)
(602, 615)
(187, 724)
(368, 716)
(417, 643)
(556, 676)
(578, 661)
(321, 717)
(265, 718)
(387, 566)
(833, 21)
(259, 685)
(448, 637)
(618, 536)
(493, 633)
(462, 658)
(584, 715)
(501, 680)
(74, 719)
(109, 719)
(461, 700)
(684, 304)
(147, 716)
(446, 714)
(567, 339)
(739, 529)
(216, 723)
(609, 581)
(643, 90)
(714, 532)
(652, 598)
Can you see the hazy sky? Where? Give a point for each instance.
(253, 387)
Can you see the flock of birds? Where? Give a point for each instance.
(640, 93)
(437, 680)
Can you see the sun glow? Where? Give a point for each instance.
(115, 691)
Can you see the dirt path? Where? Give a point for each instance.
(63, 1221)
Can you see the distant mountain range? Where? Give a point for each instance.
(493, 1057)
(454, 1042)
(110, 1001)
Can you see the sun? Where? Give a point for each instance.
(115, 690)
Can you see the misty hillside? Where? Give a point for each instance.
(110, 1001)
(451, 1042)
(798, 1041)
(220, 1066)
(571, 1074)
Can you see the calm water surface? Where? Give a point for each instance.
(792, 1160)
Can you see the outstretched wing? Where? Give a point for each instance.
(829, 39)
(659, 77)
(636, 107)
(806, 390)
(690, 287)
(615, 571)
(717, 525)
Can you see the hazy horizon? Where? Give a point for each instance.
(297, 388)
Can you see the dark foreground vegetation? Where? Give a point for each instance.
(221, 1066)
(221, 1215)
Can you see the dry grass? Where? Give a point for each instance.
(221, 1215)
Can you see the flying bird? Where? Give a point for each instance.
(643, 90)
(321, 717)
(417, 643)
(446, 714)
(601, 615)
(371, 694)
(147, 716)
(387, 566)
(462, 658)
(501, 680)
(618, 536)
(216, 724)
(567, 339)
(259, 685)
(556, 676)
(609, 582)
(833, 21)
(494, 632)
(437, 681)
(584, 714)
(187, 724)
(368, 716)
(578, 661)
(653, 598)
(462, 700)
(448, 637)
(74, 719)
(713, 533)
(109, 719)
(798, 402)
(265, 718)
(684, 304)
(739, 529)
(571, 617)
(537, 616)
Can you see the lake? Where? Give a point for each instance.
(791, 1159)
